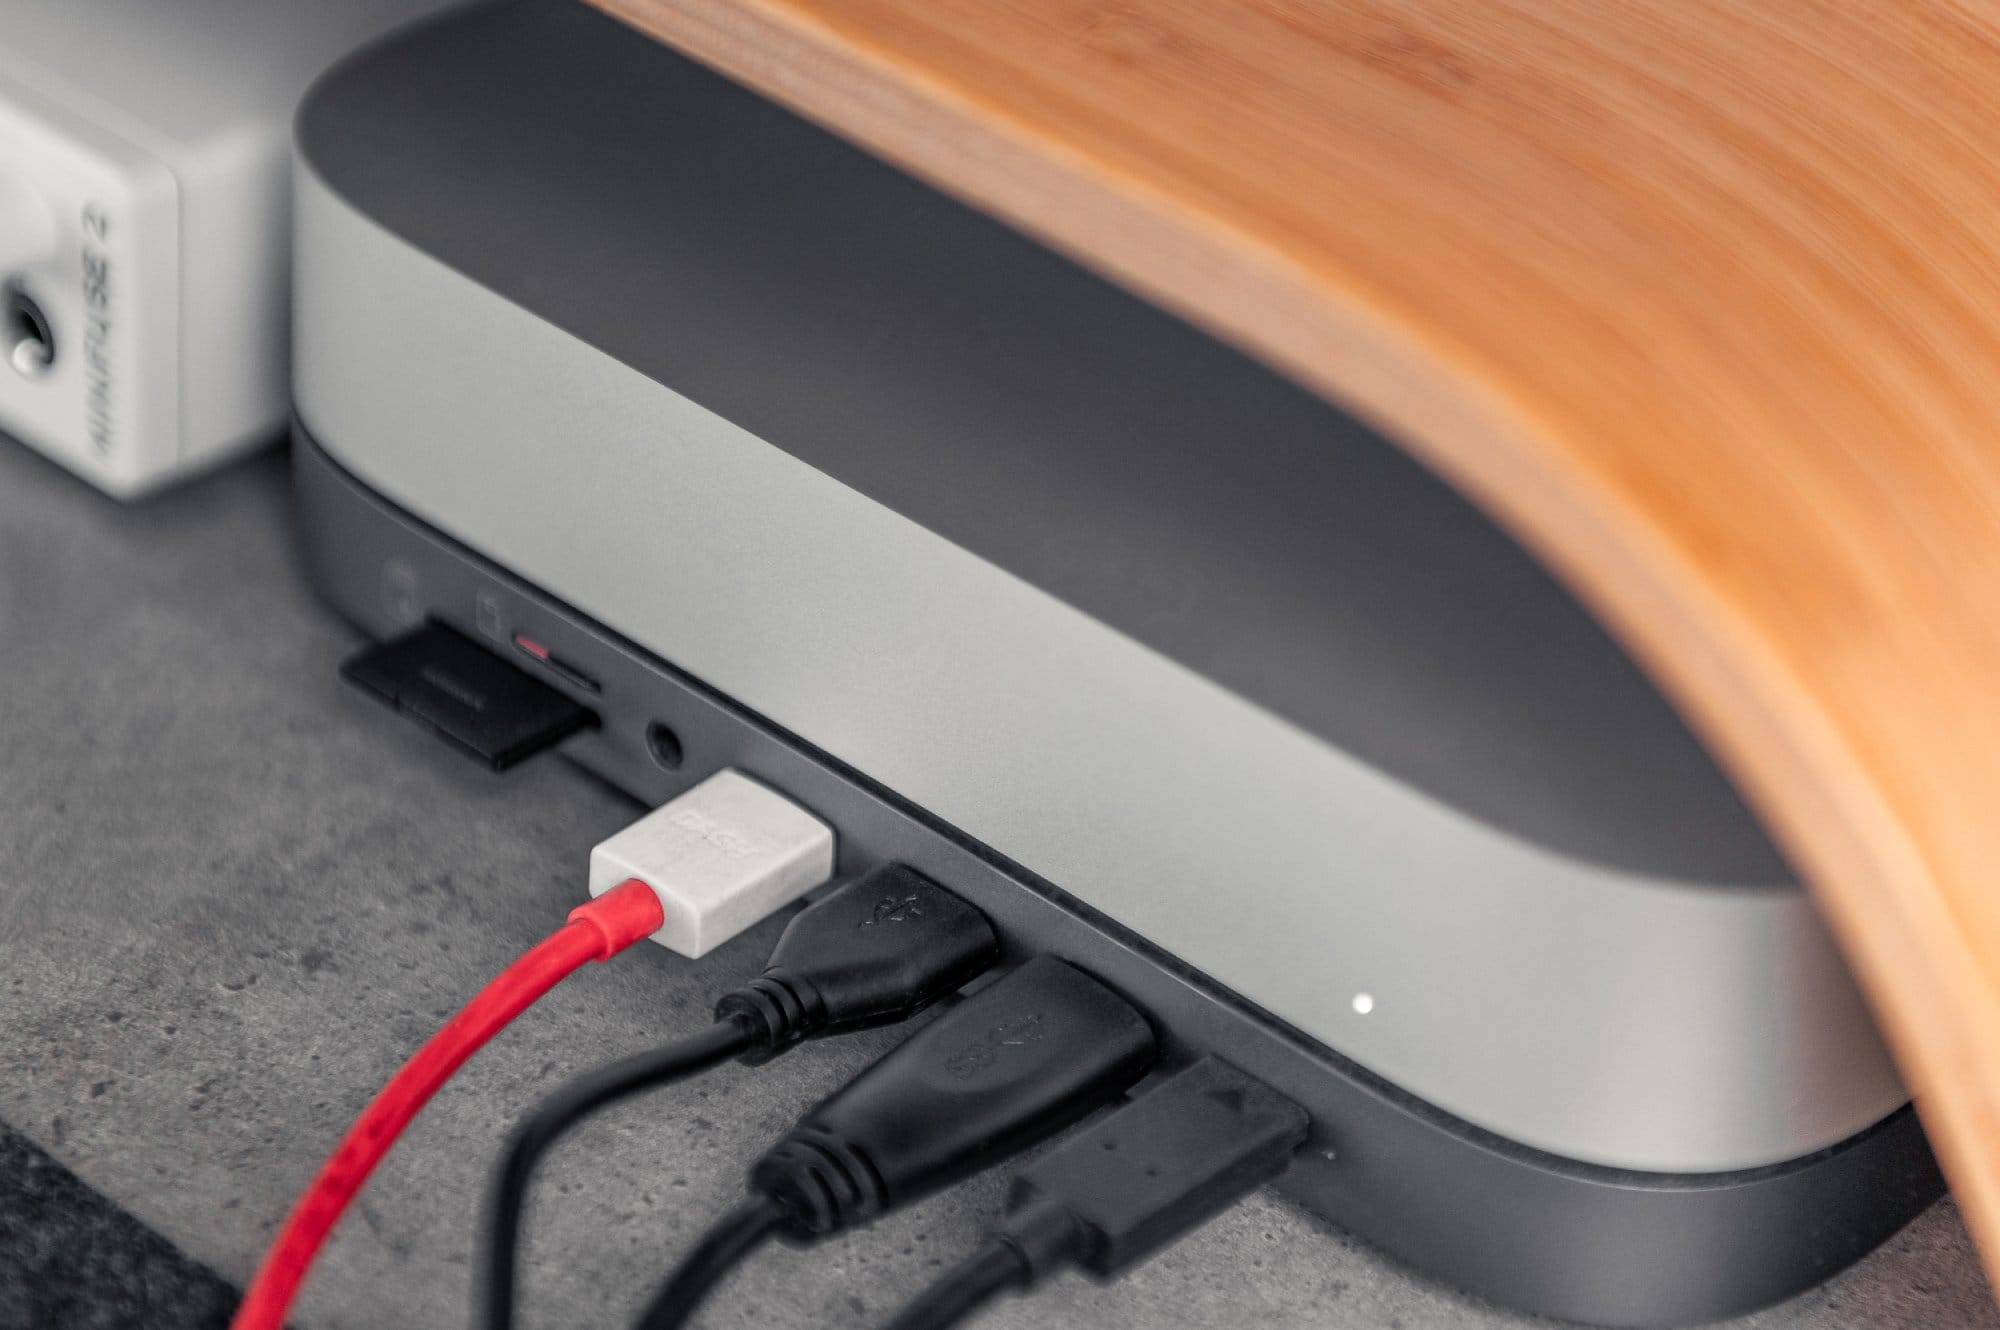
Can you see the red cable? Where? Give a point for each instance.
(625, 915)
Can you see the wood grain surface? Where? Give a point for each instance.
(1700, 297)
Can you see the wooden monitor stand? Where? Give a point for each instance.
(1702, 299)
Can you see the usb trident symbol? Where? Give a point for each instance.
(893, 910)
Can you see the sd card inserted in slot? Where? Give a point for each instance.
(475, 700)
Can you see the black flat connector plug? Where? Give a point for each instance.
(1013, 1063)
(1126, 1186)
(1164, 1164)
(474, 700)
(876, 950)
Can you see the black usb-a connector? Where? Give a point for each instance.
(1010, 1065)
(872, 953)
(1007, 1067)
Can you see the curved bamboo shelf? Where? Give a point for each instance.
(1701, 297)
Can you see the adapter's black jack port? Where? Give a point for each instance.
(26, 334)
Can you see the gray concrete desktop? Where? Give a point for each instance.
(234, 894)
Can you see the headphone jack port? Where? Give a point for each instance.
(29, 339)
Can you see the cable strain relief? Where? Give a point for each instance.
(781, 1008)
(1044, 1237)
(999, 1248)
(820, 1183)
(622, 917)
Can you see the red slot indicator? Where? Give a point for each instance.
(554, 664)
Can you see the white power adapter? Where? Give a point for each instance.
(145, 222)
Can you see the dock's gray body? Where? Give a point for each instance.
(1071, 578)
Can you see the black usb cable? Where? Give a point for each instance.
(1010, 1065)
(874, 951)
(1125, 1187)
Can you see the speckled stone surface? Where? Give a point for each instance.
(234, 894)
